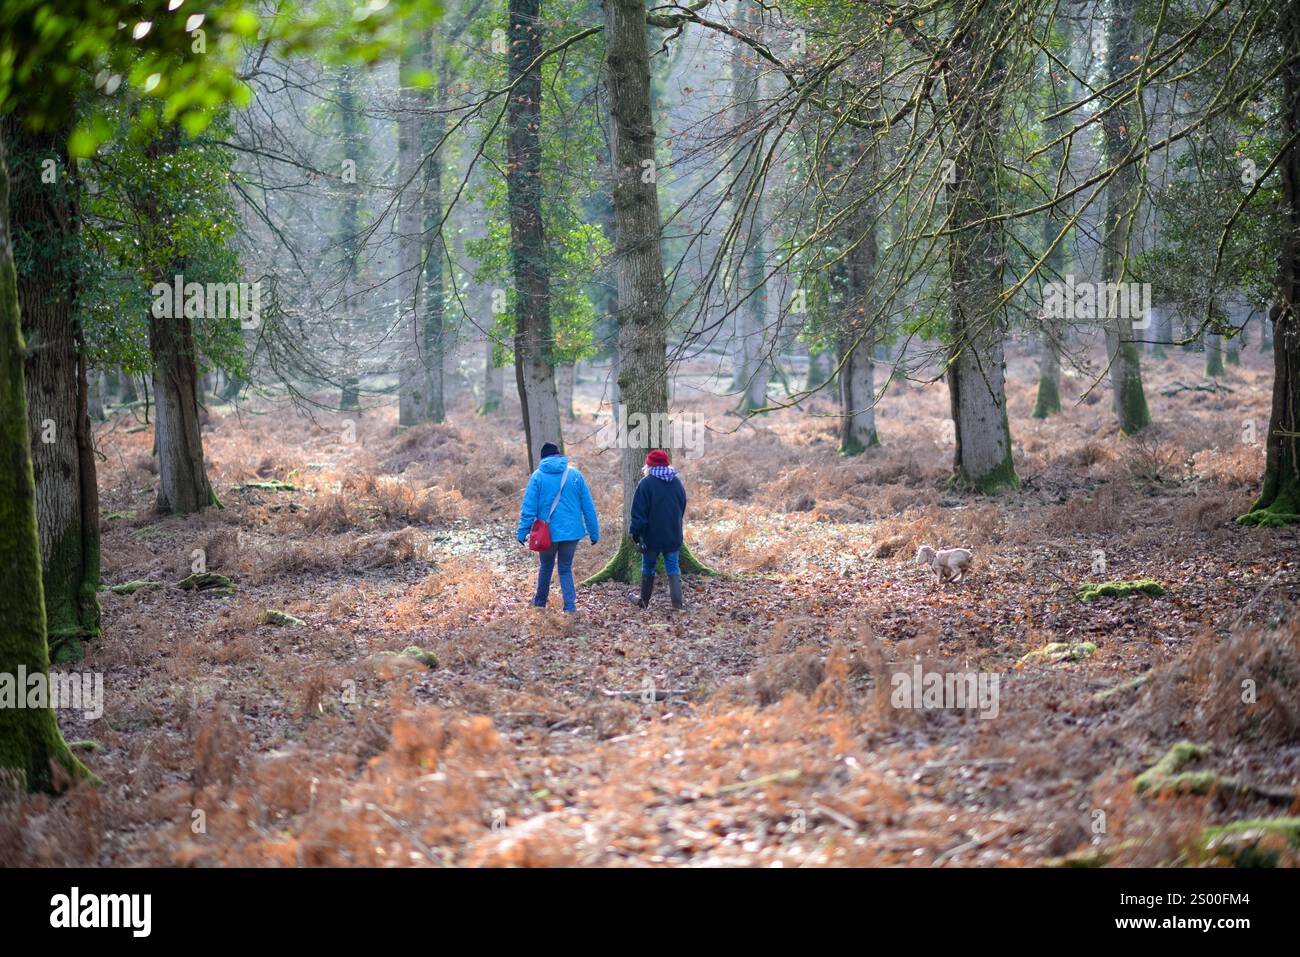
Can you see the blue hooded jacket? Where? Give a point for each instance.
(573, 510)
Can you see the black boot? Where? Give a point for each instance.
(675, 591)
(647, 590)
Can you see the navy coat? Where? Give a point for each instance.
(657, 512)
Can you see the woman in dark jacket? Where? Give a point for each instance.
(657, 512)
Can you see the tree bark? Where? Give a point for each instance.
(1163, 329)
(44, 224)
(493, 381)
(858, 333)
(534, 341)
(1128, 397)
(565, 375)
(33, 754)
(1213, 354)
(976, 261)
(182, 476)
(753, 365)
(1279, 499)
(352, 131)
(411, 122)
(818, 369)
(642, 345)
(129, 393)
(858, 399)
(434, 352)
(1048, 400)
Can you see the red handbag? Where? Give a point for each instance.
(539, 536)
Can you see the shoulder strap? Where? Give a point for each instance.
(564, 478)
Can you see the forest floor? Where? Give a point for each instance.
(756, 727)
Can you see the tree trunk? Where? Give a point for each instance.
(67, 500)
(435, 407)
(352, 129)
(33, 754)
(411, 122)
(643, 360)
(129, 393)
(1048, 400)
(1213, 354)
(818, 369)
(1279, 499)
(747, 190)
(95, 382)
(976, 260)
(233, 385)
(493, 381)
(1128, 398)
(1162, 327)
(858, 399)
(859, 319)
(534, 341)
(565, 376)
(44, 228)
(182, 477)
(349, 394)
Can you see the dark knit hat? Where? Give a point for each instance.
(657, 457)
(550, 448)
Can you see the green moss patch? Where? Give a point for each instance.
(415, 653)
(1257, 842)
(1121, 589)
(1268, 518)
(131, 587)
(282, 618)
(1060, 651)
(208, 583)
(1175, 760)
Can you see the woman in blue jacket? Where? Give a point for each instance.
(658, 509)
(574, 513)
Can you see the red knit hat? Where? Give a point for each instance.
(657, 457)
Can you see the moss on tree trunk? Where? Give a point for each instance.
(1049, 396)
(642, 347)
(1134, 415)
(625, 566)
(31, 745)
(43, 224)
(1128, 396)
(1213, 355)
(1279, 498)
(977, 312)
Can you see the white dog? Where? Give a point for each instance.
(950, 563)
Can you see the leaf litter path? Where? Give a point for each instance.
(740, 731)
(756, 728)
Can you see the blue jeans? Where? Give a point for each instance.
(649, 558)
(564, 551)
